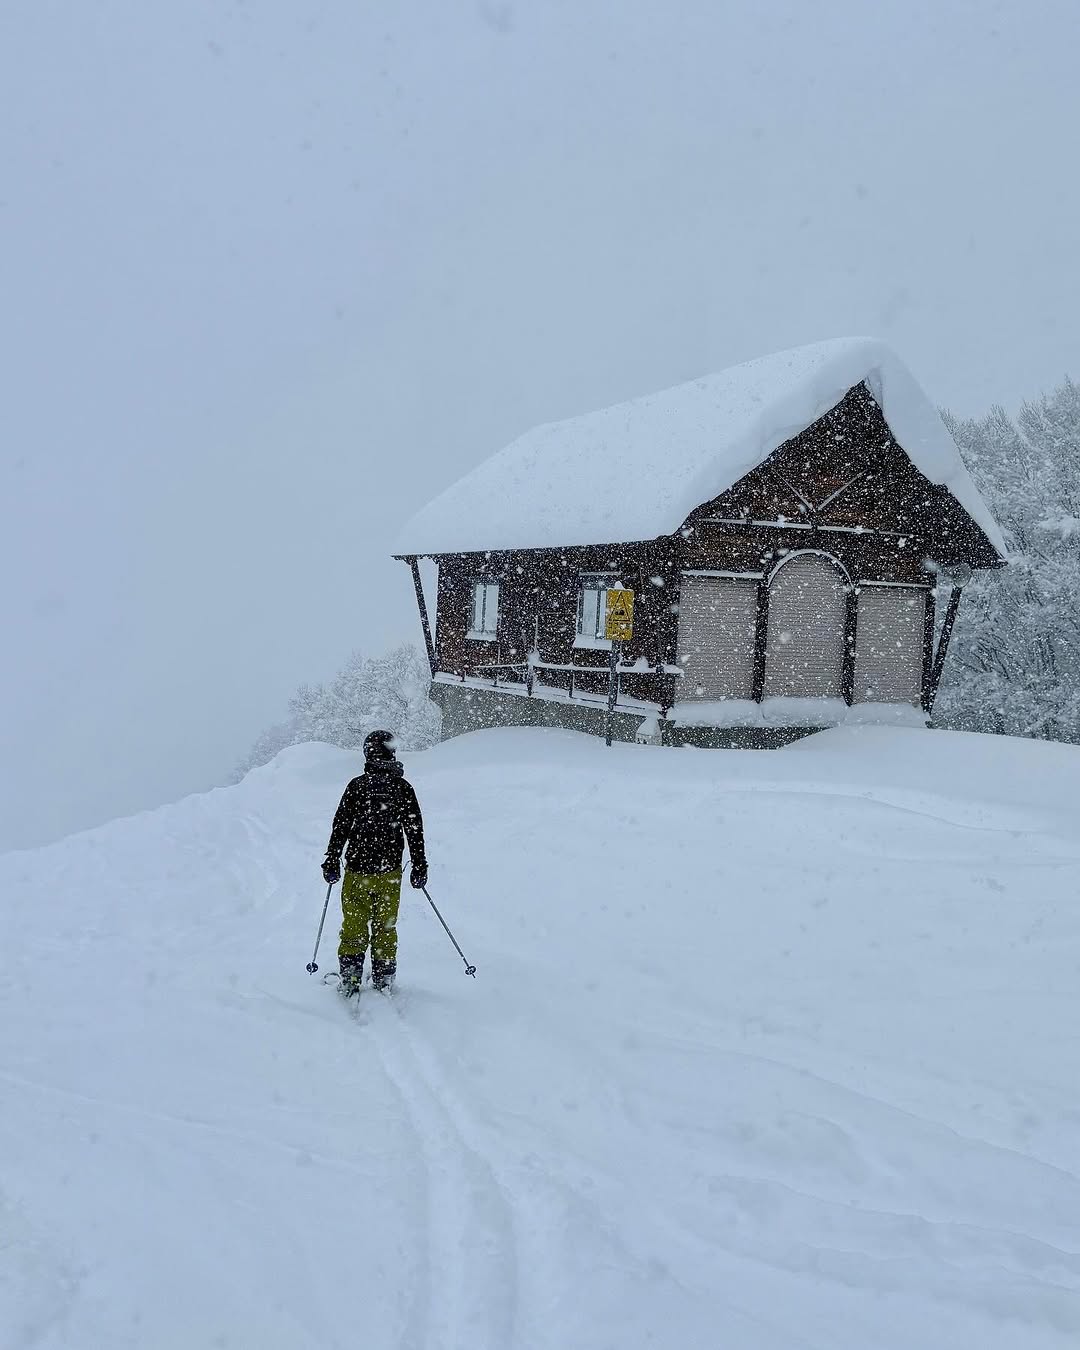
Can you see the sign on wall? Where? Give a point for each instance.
(619, 618)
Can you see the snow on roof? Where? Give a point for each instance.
(637, 470)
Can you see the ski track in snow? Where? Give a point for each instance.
(768, 1051)
(471, 1253)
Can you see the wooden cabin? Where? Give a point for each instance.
(784, 526)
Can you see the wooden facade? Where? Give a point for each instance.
(813, 577)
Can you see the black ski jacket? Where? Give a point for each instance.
(374, 811)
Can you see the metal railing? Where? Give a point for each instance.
(536, 662)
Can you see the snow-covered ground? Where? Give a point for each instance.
(765, 1051)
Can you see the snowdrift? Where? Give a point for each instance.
(766, 1050)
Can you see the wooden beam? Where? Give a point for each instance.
(943, 646)
(928, 652)
(823, 506)
(414, 564)
(745, 524)
(851, 628)
(761, 639)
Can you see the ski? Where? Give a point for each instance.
(350, 997)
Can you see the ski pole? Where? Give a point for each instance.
(311, 966)
(469, 970)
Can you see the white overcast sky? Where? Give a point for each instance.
(273, 274)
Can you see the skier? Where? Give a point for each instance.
(374, 810)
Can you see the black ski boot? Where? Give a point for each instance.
(351, 969)
(382, 975)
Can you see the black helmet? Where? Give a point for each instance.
(379, 745)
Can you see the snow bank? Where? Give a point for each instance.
(637, 470)
(765, 1050)
(793, 712)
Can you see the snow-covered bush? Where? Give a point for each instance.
(1014, 663)
(388, 692)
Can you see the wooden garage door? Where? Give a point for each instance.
(717, 618)
(807, 606)
(889, 638)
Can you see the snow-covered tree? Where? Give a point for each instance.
(1014, 664)
(272, 740)
(388, 692)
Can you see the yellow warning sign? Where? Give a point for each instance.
(619, 618)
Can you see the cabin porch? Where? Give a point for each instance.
(473, 703)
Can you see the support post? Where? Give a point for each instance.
(851, 627)
(532, 656)
(422, 605)
(928, 651)
(943, 646)
(613, 688)
(761, 640)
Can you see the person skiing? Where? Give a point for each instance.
(373, 812)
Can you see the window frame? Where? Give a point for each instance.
(602, 583)
(483, 633)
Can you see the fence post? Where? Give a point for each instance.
(613, 689)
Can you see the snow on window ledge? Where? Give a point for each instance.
(474, 636)
(595, 644)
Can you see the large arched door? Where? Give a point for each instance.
(804, 656)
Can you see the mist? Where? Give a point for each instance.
(273, 275)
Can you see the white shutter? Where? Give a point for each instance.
(717, 618)
(804, 657)
(478, 607)
(491, 609)
(889, 638)
(590, 612)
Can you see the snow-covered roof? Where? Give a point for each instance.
(637, 470)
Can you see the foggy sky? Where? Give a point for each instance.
(275, 273)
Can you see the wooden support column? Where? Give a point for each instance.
(851, 632)
(761, 639)
(943, 646)
(414, 564)
(928, 651)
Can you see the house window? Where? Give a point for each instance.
(485, 611)
(592, 608)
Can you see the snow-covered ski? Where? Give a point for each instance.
(353, 1000)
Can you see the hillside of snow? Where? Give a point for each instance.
(766, 1051)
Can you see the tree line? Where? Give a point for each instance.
(383, 693)
(1014, 662)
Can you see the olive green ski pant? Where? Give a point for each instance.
(370, 901)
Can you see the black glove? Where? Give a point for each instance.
(418, 876)
(331, 870)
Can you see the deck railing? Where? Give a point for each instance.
(535, 662)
